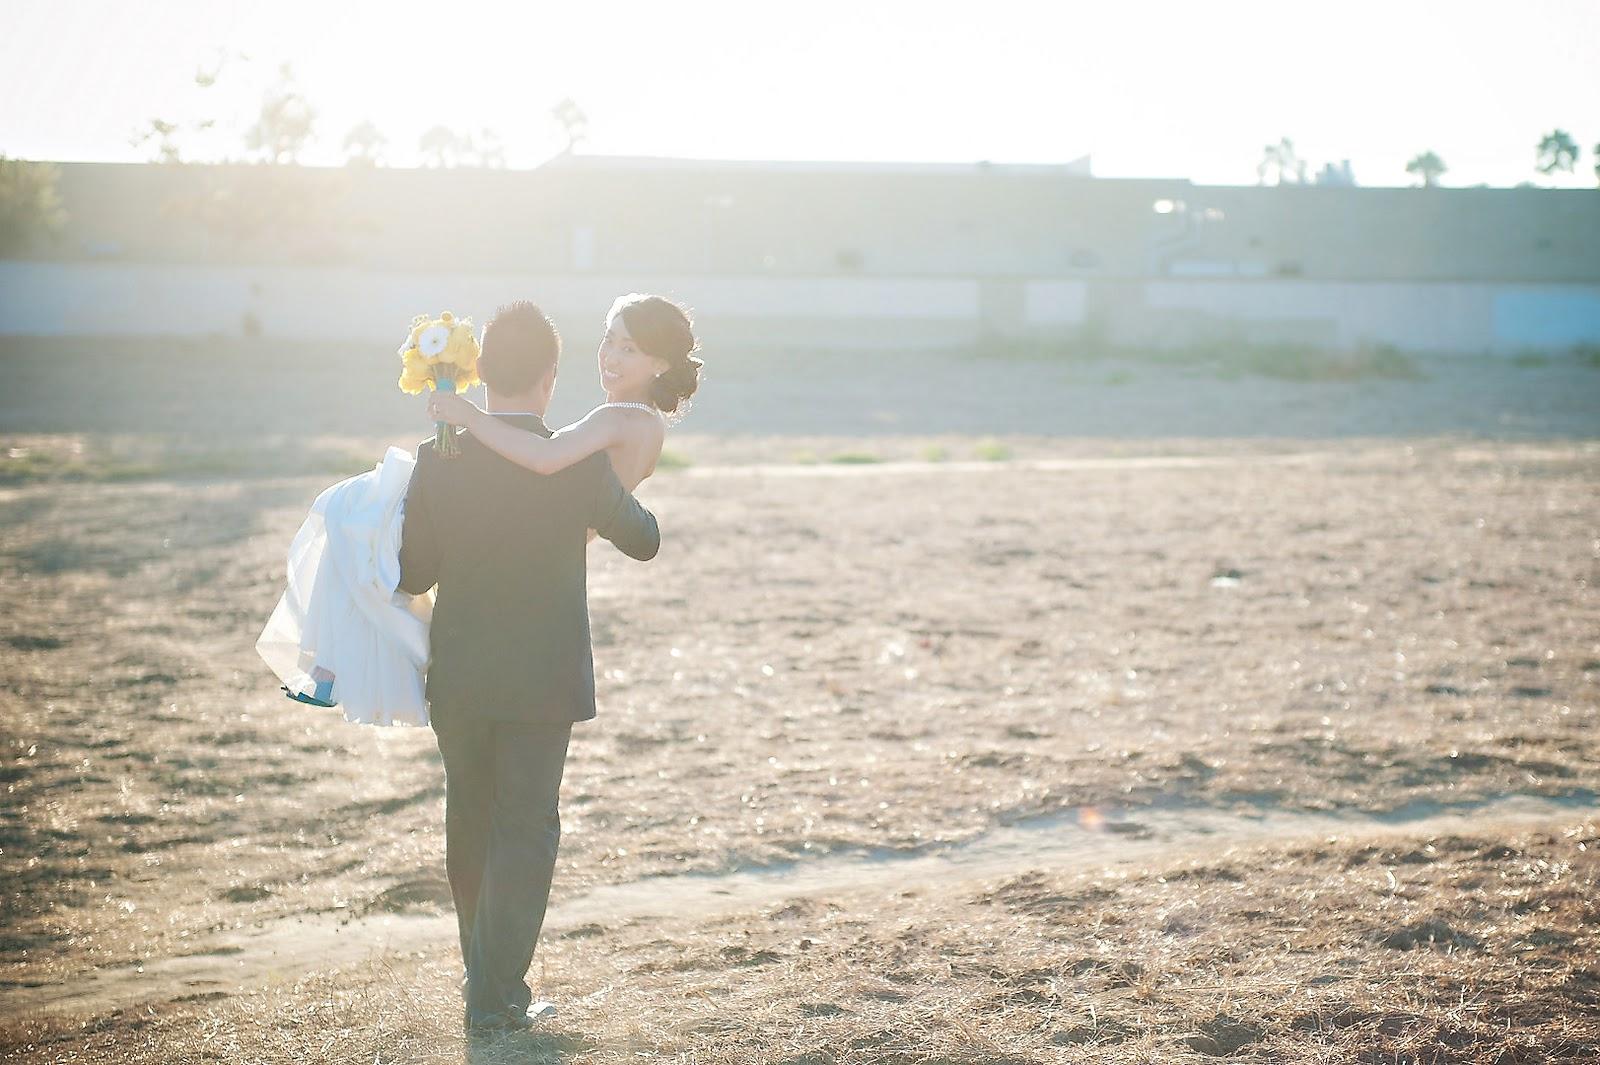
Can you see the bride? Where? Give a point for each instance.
(343, 634)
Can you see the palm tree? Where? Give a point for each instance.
(363, 145)
(1429, 167)
(1282, 162)
(574, 123)
(1557, 151)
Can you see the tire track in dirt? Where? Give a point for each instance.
(285, 949)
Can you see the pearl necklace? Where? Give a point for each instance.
(639, 406)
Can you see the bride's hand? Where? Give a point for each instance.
(449, 407)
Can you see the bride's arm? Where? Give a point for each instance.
(596, 432)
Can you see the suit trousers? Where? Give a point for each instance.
(502, 830)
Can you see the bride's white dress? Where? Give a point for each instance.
(344, 633)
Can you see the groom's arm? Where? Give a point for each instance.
(419, 539)
(620, 518)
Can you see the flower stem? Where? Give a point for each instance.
(444, 435)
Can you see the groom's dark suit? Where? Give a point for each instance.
(510, 670)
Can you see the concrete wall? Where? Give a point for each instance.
(332, 303)
(1444, 317)
(614, 216)
(830, 313)
(817, 255)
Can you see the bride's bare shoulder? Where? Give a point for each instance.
(632, 421)
(610, 418)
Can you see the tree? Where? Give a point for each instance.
(442, 146)
(285, 123)
(1283, 163)
(574, 123)
(164, 135)
(363, 145)
(1339, 174)
(1427, 166)
(485, 150)
(30, 203)
(1597, 163)
(1556, 151)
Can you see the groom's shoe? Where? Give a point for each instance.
(510, 1020)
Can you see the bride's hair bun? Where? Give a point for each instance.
(664, 330)
(671, 391)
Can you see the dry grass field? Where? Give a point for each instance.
(840, 657)
(1454, 948)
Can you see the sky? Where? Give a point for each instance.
(1147, 89)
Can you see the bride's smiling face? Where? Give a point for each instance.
(625, 370)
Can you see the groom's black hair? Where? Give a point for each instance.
(520, 344)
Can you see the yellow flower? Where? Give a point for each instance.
(415, 374)
(445, 340)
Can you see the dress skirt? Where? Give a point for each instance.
(343, 633)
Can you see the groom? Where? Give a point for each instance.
(511, 667)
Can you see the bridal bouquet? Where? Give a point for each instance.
(439, 353)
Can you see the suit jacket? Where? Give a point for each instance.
(507, 548)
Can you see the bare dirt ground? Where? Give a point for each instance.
(247, 956)
(1475, 947)
(853, 657)
(239, 392)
